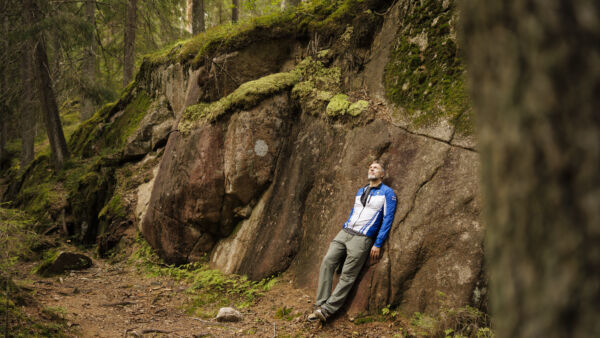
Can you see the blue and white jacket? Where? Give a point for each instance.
(376, 217)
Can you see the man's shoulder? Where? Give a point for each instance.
(387, 190)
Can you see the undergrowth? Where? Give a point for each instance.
(209, 289)
(20, 243)
(457, 322)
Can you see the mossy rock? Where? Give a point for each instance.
(358, 107)
(246, 96)
(108, 130)
(425, 72)
(338, 105)
(62, 262)
(92, 192)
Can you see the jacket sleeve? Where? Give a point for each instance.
(389, 209)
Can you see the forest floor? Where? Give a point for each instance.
(117, 299)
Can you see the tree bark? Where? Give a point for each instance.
(235, 11)
(198, 25)
(27, 118)
(287, 4)
(3, 106)
(535, 75)
(89, 62)
(45, 93)
(220, 11)
(129, 42)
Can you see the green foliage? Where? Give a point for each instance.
(209, 289)
(17, 238)
(425, 74)
(285, 313)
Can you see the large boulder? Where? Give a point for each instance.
(209, 179)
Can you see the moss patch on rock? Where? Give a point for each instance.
(246, 96)
(326, 18)
(107, 131)
(425, 74)
(338, 105)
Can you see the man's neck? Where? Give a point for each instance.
(374, 183)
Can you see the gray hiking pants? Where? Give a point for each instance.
(356, 250)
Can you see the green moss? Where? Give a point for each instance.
(246, 96)
(129, 121)
(84, 137)
(48, 260)
(338, 105)
(358, 107)
(208, 289)
(425, 74)
(324, 17)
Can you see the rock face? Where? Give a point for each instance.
(210, 179)
(265, 189)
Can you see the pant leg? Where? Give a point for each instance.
(357, 252)
(335, 253)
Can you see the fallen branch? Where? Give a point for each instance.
(117, 304)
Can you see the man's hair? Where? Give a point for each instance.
(380, 164)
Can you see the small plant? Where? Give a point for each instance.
(209, 289)
(285, 313)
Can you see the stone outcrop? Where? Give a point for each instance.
(261, 184)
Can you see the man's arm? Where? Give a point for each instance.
(389, 209)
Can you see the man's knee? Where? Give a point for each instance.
(330, 261)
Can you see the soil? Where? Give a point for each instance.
(116, 300)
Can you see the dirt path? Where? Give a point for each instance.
(117, 301)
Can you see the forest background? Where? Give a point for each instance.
(62, 60)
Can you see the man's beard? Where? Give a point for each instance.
(371, 177)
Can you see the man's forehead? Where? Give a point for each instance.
(375, 164)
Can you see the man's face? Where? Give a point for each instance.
(375, 172)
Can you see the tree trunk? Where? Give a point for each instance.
(3, 106)
(287, 4)
(89, 62)
(220, 11)
(535, 75)
(235, 11)
(129, 42)
(197, 16)
(45, 93)
(27, 118)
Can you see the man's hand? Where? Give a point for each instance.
(375, 253)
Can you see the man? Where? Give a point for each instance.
(361, 236)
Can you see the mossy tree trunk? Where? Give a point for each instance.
(27, 116)
(198, 25)
(129, 41)
(45, 93)
(535, 73)
(235, 10)
(4, 110)
(89, 62)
